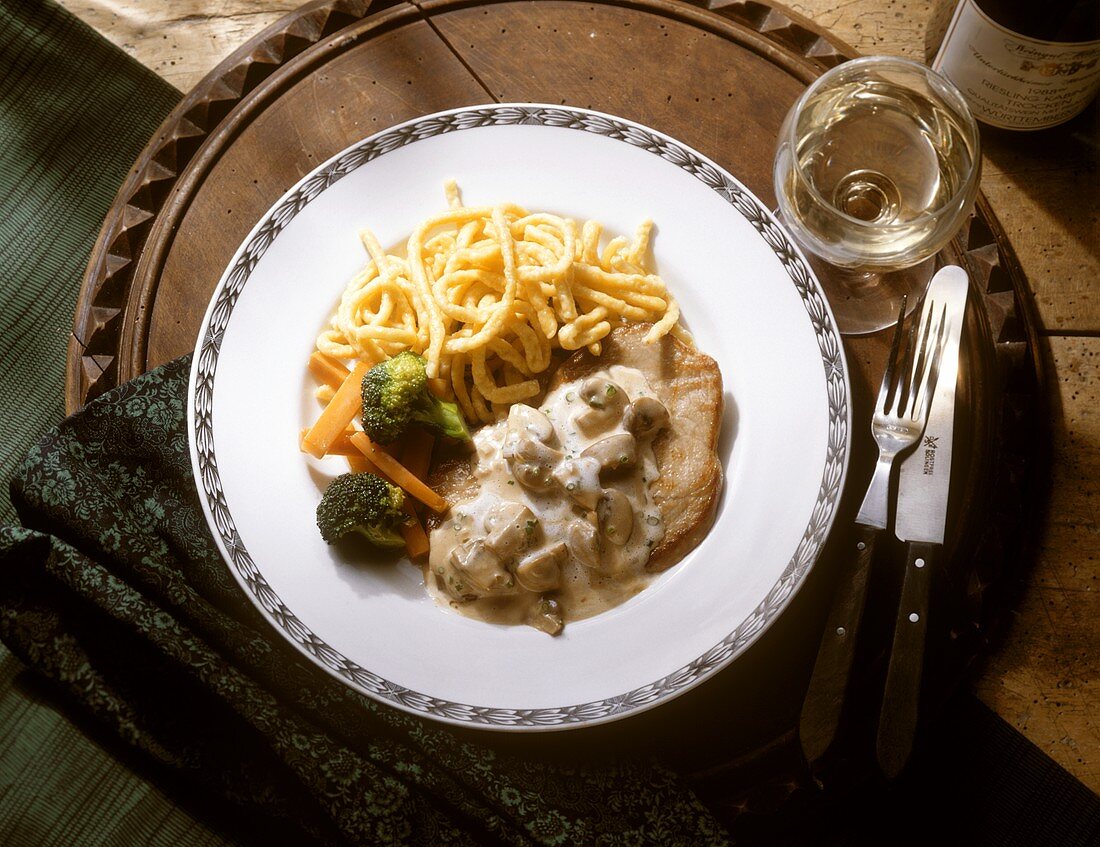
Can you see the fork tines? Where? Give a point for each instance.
(908, 394)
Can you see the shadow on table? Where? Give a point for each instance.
(1024, 156)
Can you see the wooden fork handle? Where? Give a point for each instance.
(823, 708)
(897, 726)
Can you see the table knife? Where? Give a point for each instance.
(924, 483)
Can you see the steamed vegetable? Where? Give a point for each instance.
(396, 396)
(399, 473)
(340, 412)
(363, 503)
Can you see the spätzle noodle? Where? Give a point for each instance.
(486, 294)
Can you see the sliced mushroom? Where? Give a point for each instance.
(593, 422)
(529, 450)
(605, 401)
(645, 416)
(527, 419)
(580, 478)
(616, 516)
(541, 571)
(531, 461)
(535, 477)
(476, 571)
(510, 527)
(584, 544)
(601, 393)
(546, 616)
(616, 452)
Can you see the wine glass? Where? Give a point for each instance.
(877, 167)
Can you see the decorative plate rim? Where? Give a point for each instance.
(216, 510)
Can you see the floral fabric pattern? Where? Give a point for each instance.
(114, 590)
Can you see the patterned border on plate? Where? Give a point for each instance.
(709, 174)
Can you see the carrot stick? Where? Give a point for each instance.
(398, 473)
(416, 540)
(326, 370)
(341, 410)
(340, 447)
(416, 455)
(361, 464)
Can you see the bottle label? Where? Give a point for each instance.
(1012, 81)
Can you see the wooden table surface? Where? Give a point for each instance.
(1044, 189)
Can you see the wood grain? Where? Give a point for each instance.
(1042, 678)
(892, 27)
(387, 79)
(503, 45)
(1048, 184)
(1045, 677)
(183, 39)
(1039, 185)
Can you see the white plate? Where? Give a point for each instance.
(746, 293)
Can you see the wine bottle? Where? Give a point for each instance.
(1023, 64)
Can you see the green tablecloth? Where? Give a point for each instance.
(192, 693)
(74, 113)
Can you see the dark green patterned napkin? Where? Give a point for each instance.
(75, 111)
(163, 709)
(114, 590)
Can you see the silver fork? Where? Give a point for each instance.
(901, 410)
(900, 413)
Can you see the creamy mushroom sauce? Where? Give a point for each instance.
(564, 520)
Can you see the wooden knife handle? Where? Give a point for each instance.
(897, 725)
(823, 707)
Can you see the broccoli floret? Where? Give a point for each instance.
(395, 395)
(363, 503)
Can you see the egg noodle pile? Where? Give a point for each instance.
(486, 293)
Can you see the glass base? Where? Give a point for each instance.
(868, 301)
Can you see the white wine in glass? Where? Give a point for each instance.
(877, 166)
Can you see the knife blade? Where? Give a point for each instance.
(924, 487)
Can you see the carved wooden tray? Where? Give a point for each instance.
(717, 75)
